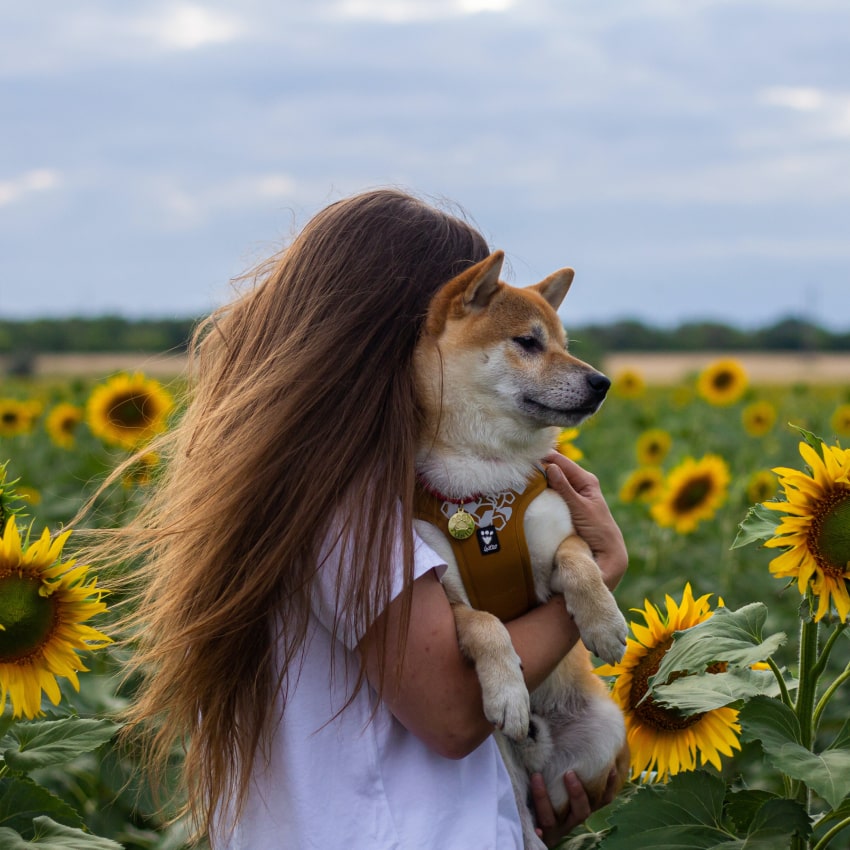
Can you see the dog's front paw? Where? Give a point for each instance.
(604, 633)
(507, 704)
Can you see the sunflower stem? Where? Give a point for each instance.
(820, 666)
(780, 679)
(829, 693)
(807, 687)
(804, 707)
(828, 836)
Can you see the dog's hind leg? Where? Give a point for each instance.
(485, 641)
(522, 792)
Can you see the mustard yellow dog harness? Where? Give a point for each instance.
(493, 562)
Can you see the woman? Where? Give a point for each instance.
(293, 630)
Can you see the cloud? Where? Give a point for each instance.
(188, 27)
(800, 98)
(90, 34)
(406, 11)
(829, 110)
(190, 206)
(31, 182)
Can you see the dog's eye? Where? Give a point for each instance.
(528, 343)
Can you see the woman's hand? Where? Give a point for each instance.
(548, 827)
(592, 517)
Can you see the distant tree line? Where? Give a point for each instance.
(99, 334)
(118, 334)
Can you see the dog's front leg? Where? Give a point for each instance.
(485, 641)
(602, 627)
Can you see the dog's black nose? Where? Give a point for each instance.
(599, 383)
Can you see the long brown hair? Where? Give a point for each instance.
(304, 396)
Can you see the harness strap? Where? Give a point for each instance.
(494, 565)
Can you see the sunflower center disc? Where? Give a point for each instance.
(723, 380)
(27, 618)
(693, 494)
(649, 711)
(131, 411)
(832, 534)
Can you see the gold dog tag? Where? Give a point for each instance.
(461, 524)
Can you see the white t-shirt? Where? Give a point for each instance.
(360, 784)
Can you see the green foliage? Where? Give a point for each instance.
(65, 780)
(777, 728)
(49, 835)
(632, 335)
(759, 524)
(118, 333)
(47, 742)
(98, 334)
(30, 814)
(732, 637)
(697, 810)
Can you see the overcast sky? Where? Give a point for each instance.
(691, 160)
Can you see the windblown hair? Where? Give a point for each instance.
(303, 403)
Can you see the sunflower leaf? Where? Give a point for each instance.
(706, 692)
(812, 439)
(771, 722)
(47, 742)
(774, 724)
(741, 806)
(773, 821)
(842, 739)
(50, 835)
(21, 800)
(689, 813)
(732, 637)
(685, 813)
(759, 524)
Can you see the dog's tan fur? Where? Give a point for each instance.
(496, 384)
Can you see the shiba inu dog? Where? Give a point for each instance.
(496, 385)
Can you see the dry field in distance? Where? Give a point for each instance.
(766, 368)
(656, 368)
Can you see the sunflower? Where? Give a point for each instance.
(722, 382)
(141, 473)
(128, 410)
(652, 446)
(758, 418)
(62, 422)
(693, 491)
(840, 421)
(29, 495)
(44, 606)
(662, 741)
(566, 446)
(761, 486)
(17, 417)
(815, 533)
(629, 384)
(642, 485)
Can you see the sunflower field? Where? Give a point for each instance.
(734, 500)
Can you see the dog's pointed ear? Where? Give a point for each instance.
(556, 286)
(483, 281)
(470, 291)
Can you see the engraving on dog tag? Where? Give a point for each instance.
(461, 524)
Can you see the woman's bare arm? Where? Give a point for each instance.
(437, 695)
